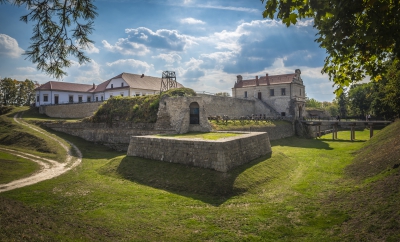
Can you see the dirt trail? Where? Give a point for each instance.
(49, 168)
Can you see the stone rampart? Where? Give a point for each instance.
(221, 155)
(75, 110)
(116, 136)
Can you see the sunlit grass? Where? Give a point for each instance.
(204, 136)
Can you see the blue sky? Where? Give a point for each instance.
(207, 44)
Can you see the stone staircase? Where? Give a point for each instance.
(270, 108)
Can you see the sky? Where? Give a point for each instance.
(206, 43)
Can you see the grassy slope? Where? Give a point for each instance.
(14, 167)
(373, 206)
(15, 136)
(302, 192)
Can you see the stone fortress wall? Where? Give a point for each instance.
(75, 110)
(221, 155)
(173, 117)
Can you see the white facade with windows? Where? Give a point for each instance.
(125, 84)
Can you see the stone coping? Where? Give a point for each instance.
(220, 140)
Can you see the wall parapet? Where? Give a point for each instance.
(221, 155)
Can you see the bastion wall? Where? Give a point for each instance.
(221, 155)
(76, 110)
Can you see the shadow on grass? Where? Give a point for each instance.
(302, 143)
(207, 185)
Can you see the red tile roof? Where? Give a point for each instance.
(66, 86)
(133, 80)
(277, 79)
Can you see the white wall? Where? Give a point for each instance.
(63, 97)
(116, 83)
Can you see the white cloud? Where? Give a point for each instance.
(27, 69)
(160, 39)
(239, 9)
(9, 47)
(92, 49)
(126, 47)
(191, 21)
(169, 58)
(131, 66)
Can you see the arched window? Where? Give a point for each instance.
(194, 113)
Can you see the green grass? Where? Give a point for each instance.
(19, 137)
(14, 167)
(198, 135)
(301, 192)
(245, 124)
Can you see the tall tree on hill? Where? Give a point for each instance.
(58, 32)
(359, 36)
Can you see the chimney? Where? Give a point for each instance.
(239, 78)
(94, 86)
(257, 83)
(142, 76)
(266, 78)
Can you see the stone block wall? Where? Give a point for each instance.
(116, 136)
(221, 155)
(76, 110)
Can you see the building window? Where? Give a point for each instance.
(245, 94)
(122, 84)
(283, 114)
(122, 94)
(137, 94)
(55, 99)
(71, 99)
(89, 99)
(112, 85)
(37, 98)
(194, 113)
(300, 92)
(97, 98)
(271, 92)
(45, 98)
(101, 98)
(80, 99)
(283, 91)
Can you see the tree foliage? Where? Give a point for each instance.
(58, 32)
(359, 35)
(18, 93)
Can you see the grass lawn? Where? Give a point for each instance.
(14, 167)
(198, 135)
(286, 196)
(245, 124)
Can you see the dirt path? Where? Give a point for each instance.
(49, 168)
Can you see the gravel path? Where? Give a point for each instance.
(49, 168)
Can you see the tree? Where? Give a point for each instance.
(8, 90)
(360, 99)
(312, 103)
(359, 35)
(57, 32)
(13, 92)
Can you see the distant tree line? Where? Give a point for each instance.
(378, 98)
(17, 93)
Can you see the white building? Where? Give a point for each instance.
(125, 84)
(284, 93)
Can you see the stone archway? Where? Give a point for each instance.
(194, 113)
